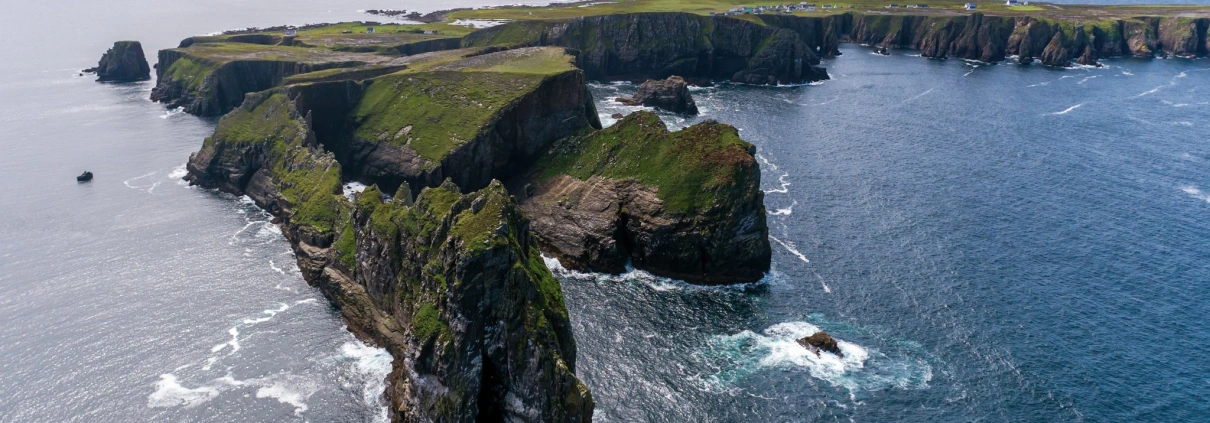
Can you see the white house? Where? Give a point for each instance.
(970, 6)
(1011, 3)
(291, 31)
(369, 30)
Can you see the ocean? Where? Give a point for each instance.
(995, 243)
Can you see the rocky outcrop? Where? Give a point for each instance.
(671, 94)
(684, 204)
(643, 46)
(207, 86)
(124, 62)
(451, 284)
(821, 341)
(1054, 42)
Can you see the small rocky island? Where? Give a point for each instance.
(124, 62)
(671, 94)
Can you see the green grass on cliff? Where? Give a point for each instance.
(191, 72)
(432, 109)
(686, 166)
(308, 183)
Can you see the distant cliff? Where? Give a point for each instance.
(643, 46)
(987, 38)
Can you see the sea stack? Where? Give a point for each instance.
(124, 62)
(671, 94)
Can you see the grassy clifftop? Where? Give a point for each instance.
(435, 106)
(687, 167)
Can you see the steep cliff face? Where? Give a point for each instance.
(684, 204)
(207, 86)
(469, 121)
(124, 62)
(452, 284)
(657, 45)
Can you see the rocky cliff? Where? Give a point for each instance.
(1054, 42)
(451, 284)
(671, 94)
(645, 46)
(209, 84)
(683, 204)
(124, 62)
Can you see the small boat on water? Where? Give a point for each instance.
(84, 177)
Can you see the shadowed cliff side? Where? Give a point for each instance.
(644, 46)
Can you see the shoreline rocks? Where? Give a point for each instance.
(124, 62)
(671, 95)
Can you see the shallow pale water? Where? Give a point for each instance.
(993, 243)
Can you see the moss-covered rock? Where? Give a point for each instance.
(451, 285)
(683, 204)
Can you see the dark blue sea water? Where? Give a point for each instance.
(990, 243)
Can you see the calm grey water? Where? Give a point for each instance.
(990, 243)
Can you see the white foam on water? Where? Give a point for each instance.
(170, 393)
(140, 186)
(178, 174)
(371, 364)
(1182, 74)
(275, 268)
(656, 283)
(351, 189)
(173, 113)
(1082, 81)
(1195, 192)
(920, 95)
(786, 211)
(233, 343)
(306, 301)
(1067, 110)
(859, 368)
(1183, 123)
(288, 394)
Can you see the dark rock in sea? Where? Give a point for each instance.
(617, 116)
(124, 62)
(671, 94)
(84, 177)
(821, 341)
(882, 50)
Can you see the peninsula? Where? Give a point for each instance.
(482, 150)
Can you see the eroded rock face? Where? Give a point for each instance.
(451, 284)
(703, 223)
(124, 62)
(821, 341)
(671, 94)
(642, 46)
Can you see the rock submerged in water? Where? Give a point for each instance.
(671, 94)
(821, 341)
(84, 177)
(124, 62)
